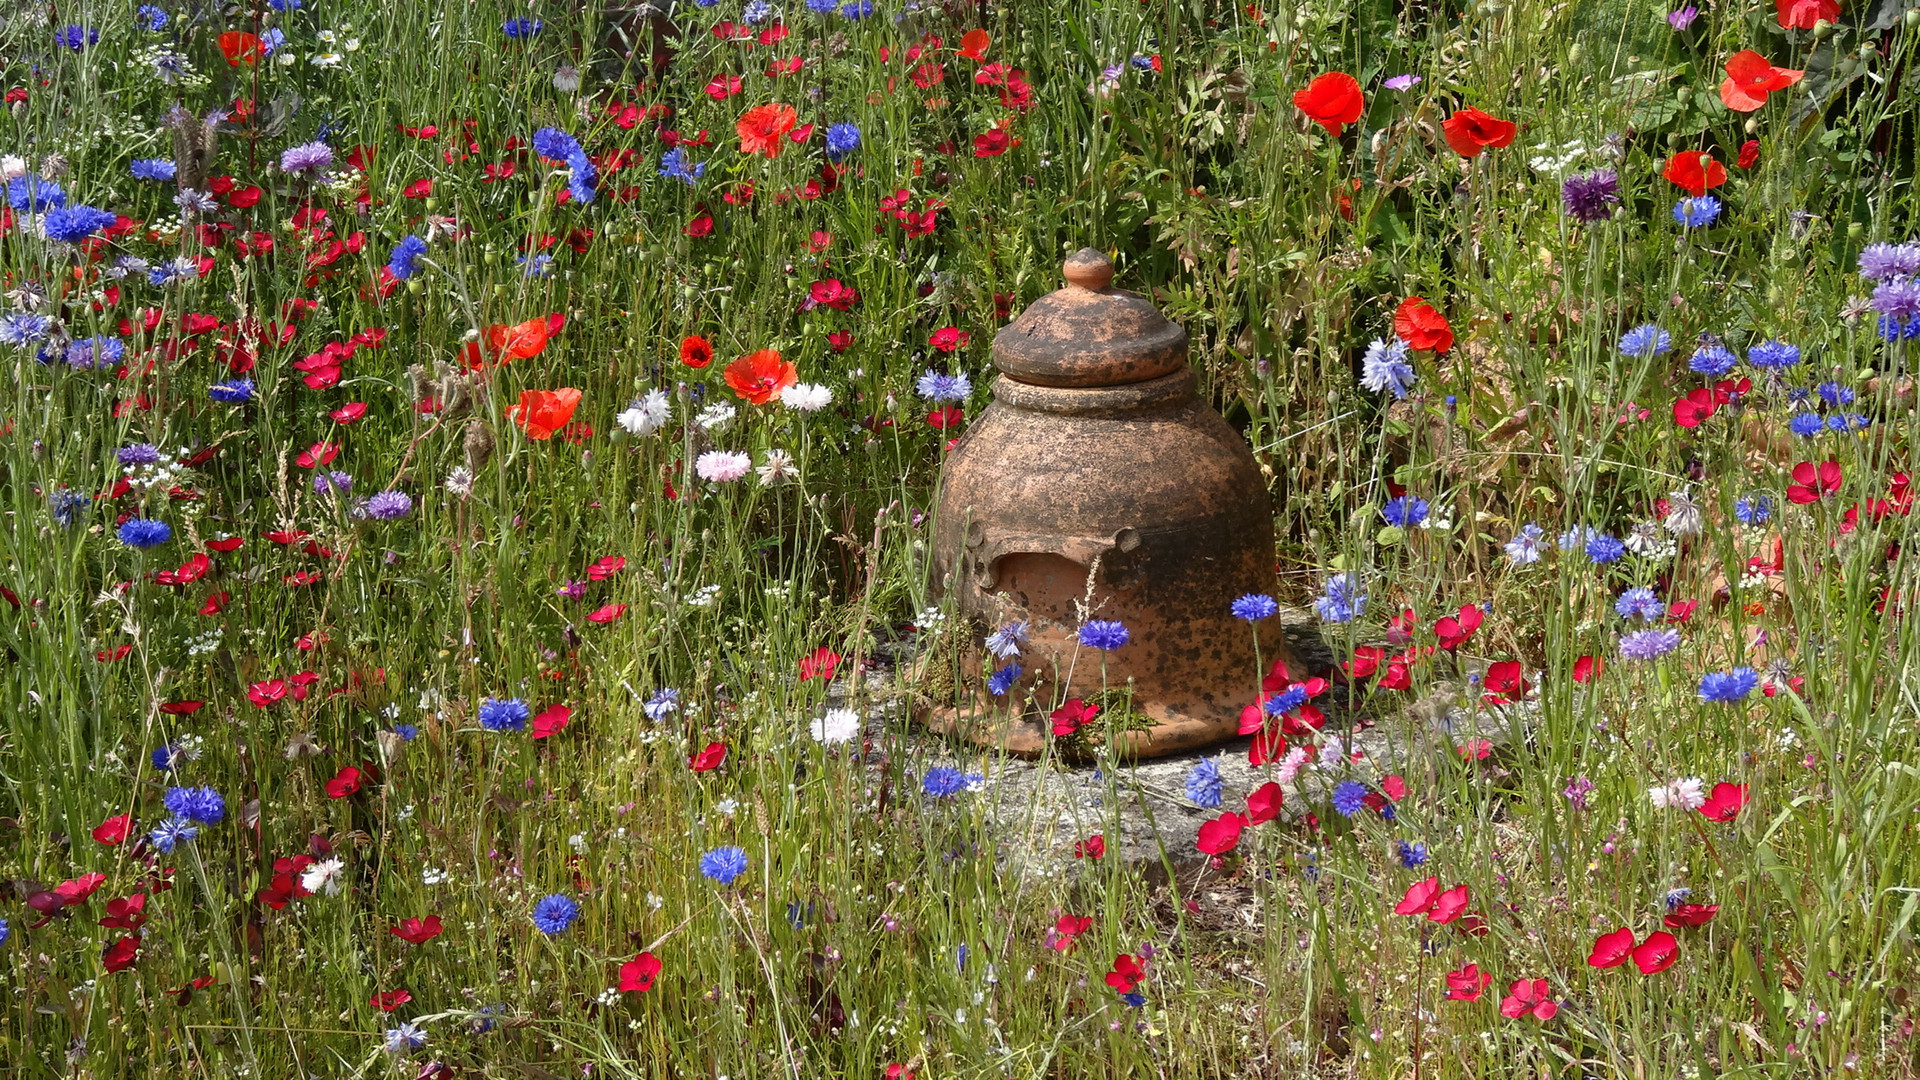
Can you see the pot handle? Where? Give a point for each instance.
(984, 551)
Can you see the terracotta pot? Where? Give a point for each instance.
(1098, 485)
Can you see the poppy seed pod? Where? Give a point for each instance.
(478, 444)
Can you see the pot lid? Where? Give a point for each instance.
(1089, 333)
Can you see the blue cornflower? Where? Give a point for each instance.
(76, 37)
(202, 804)
(1412, 856)
(233, 391)
(73, 224)
(156, 19)
(1524, 548)
(1639, 602)
(664, 703)
(1676, 897)
(823, 7)
(1255, 606)
(271, 39)
(942, 782)
(1728, 686)
(1645, 342)
(935, 386)
(144, 533)
(1405, 511)
(66, 507)
(554, 913)
(503, 714)
(1286, 700)
(1002, 679)
(406, 1037)
(842, 139)
(1893, 328)
(1834, 394)
(172, 832)
(1103, 634)
(1385, 368)
(1713, 360)
(1649, 644)
(756, 12)
(404, 262)
(1846, 421)
(1203, 783)
(1007, 640)
(1341, 599)
(538, 266)
(23, 328)
(1697, 212)
(1773, 355)
(580, 177)
(183, 268)
(5, 932)
(554, 144)
(30, 194)
(407, 732)
(675, 166)
(164, 758)
(1349, 796)
(1603, 548)
(519, 29)
(158, 168)
(724, 864)
(857, 9)
(1753, 509)
(95, 352)
(1807, 424)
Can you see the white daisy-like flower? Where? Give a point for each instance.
(837, 726)
(323, 877)
(647, 415)
(806, 397)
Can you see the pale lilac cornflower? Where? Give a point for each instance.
(1647, 645)
(1385, 368)
(1402, 83)
(1880, 262)
(306, 158)
(722, 466)
(1524, 548)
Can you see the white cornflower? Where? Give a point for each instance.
(323, 877)
(647, 415)
(1687, 794)
(837, 726)
(778, 466)
(460, 481)
(714, 417)
(806, 397)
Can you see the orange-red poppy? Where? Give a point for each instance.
(1421, 327)
(762, 126)
(1802, 14)
(1470, 131)
(761, 376)
(1750, 79)
(240, 47)
(519, 341)
(1332, 100)
(1695, 171)
(543, 412)
(696, 351)
(974, 43)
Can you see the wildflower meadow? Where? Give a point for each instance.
(467, 583)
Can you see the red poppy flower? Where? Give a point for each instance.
(605, 568)
(417, 931)
(231, 543)
(695, 351)
(1421, 327)
(1454, 631)
(240, 47)
(760, 377)
(1448, 905)
(832, 293)
(1588, 668)
(1694, 409)
(1333, 101)
(949, 338)
(1466, 983)
(120, 955)
(551, 721)
(1093, 847)
(77, 890)
(820, 664)
(1469, 131)
(992, 144)
(520, 341)
(761, 127)
(1126, 973)
(216, 602)
(723, 87)
(1611, 950)
(1504, 678)
(114, 830)
(129, 913)
(974, 44)
(1811, 482)
(344, 783)
(320, 453)
(1263, 803)
(1803, 14)
(607, 613)
(1220, 835)
(1528, 996)
(709, 758)
(1066, 929)
(1695, 171)
(1687, 915)
(1750, 79)
(390, 1000)
(543, 412)
(1069, 717)
(637, 974)
(265, 693)
(1269, 745)
(1657, 953)
(1419, 897)
(1749, 154)
(1725, 802)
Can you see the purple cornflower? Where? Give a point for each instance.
(1640, 603)
(1104, 634)
(1880, 262)
(1649, 644)
(389, 506)
(1591, 197)
(1897, 298)
(138, 454)
(307, 157)
(331, 482)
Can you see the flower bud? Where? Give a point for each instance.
(1822, 30)
(1753, 126)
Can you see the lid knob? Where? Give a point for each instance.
(1090, 269)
